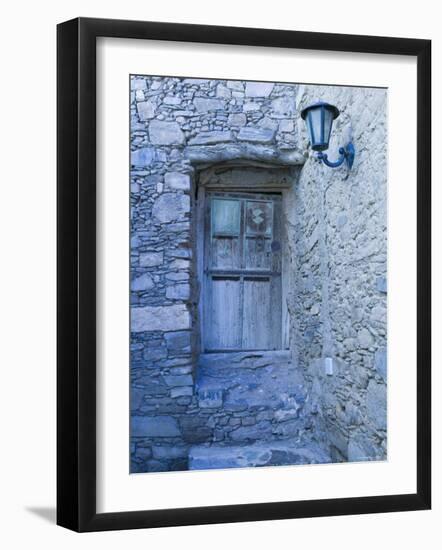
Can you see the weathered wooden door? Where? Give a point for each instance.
(242, 265)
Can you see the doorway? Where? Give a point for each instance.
(242, 296)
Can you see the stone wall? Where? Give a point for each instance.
(339, 300)
(180, 128)
(178, 125)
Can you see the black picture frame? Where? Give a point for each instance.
(77, 287)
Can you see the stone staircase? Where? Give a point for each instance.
(254, 403)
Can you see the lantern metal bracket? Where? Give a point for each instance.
(347, 154)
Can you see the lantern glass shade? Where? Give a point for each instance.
(319, 119)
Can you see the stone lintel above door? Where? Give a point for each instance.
(248, 177)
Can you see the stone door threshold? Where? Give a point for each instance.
(212, 359)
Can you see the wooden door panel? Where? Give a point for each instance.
(224, 314)
(258, 253)
(256, 314)
(276, 244)
(225, 253)
(275, 330)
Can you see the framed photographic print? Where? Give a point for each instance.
(243, 274)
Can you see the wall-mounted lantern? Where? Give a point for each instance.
(319, 119)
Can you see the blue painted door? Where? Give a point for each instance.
(242, 272)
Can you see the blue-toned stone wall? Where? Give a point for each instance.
(176, 126)
(340, 302)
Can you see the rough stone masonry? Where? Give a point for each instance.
(190, 410)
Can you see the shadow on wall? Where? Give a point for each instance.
(46, 513)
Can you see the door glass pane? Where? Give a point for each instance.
(259, 218)
(226, 215)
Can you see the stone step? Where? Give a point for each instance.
(244, 359)
(257, 380)
(274, 453)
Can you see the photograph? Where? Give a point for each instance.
(218, 293)
(258, 273)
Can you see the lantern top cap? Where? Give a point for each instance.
(327, 106)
